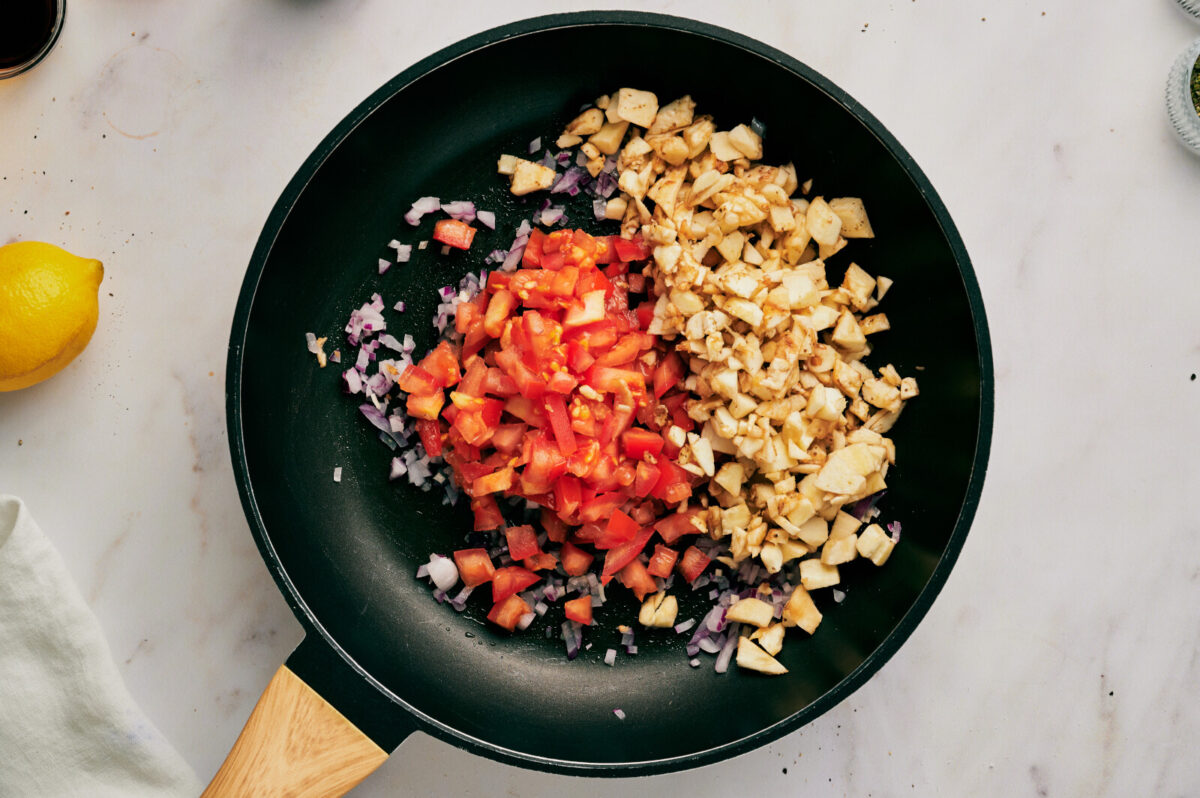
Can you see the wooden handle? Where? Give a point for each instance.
(295, 745)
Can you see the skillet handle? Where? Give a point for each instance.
(317, 731)
(296, 744)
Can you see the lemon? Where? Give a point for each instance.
(48, 310)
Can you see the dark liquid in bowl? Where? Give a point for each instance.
(25, 27)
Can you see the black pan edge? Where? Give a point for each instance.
(296, 186)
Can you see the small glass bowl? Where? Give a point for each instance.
(1180, 109)
(37, 57)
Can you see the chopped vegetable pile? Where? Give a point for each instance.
(686, 399)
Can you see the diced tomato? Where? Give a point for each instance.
(426, 407)
(637, 443)
(545, 465)
(579, 610)
(578, 358)
(623, 351)
(591, 280)
(499, 308)
(673, 484)
(575, 561)
(499, 480)
(693, 563)
(466, 315)
(417, 380)
(644, 313)
(676, 525)
(644, 513)
(602, 506)
(487, 513)
(533, 250)
(442, 364)
(507, 437)
(522, 541)
(540, 562)
(555, 527)
(497, 383)
(567, 495)
(553, 260)
(645, 479)
(508, 613)
(526, 410)
(561, 382)
(619, 529)
(663, 561)
(610, 380)
(588, 310)
(635, 577)
(668, 374)
(474, 566)
(454, 233)
(631, 249)
(510, 580)
(563, 286)
(430, 433)
(582, 461)
(560, 422)
(618, 558)
(679, 417)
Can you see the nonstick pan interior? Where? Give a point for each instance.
(345, 553)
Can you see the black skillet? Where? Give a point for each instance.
(378, 648)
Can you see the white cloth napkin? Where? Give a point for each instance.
(68, 726)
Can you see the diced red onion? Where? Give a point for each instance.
(839, 595)
(487, 219)
(731, 639)
(398, 469)
(421, 207)
(631, 650)
(337, 474)
(535, 145)
(600, 209)
(462, 210)
(422, 570)
(563, 158)
(442, 572)
(552, 215)
(610, 657)
(403, 253)
(335, 356)
(445, 249)
(568, 180)
(695, 663)
(682, 627)
(620, 713)
(384, 265)
(523, 229)
(894, 528)
(548, 160)
(525, 620)
(399, 306)
(606, 184)
(708, 645)
(353, 381)
(610, 164)
(389, 340)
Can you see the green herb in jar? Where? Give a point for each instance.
(1196, 85)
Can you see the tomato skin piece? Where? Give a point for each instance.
(635, 577)
(622, 555)
(430, 433)
(486, 512)
(508, 613)
(674, 526)
(511, 580)
(579, 610)
(417, 380)
(474, 566)
(637, 443)
(522, 542)
(575, 561)
(454, 233)
(662, 561)
(426, 407)
(693, 563)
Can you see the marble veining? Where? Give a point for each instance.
(1061, 657)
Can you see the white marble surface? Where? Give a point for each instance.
(1061, 657)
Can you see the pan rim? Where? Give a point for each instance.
(534, 25)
